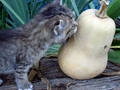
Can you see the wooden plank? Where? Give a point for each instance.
(106, 83)
(59, 81)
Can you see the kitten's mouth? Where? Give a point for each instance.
(71, 32)
(66, 40)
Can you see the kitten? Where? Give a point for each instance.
(22, 47)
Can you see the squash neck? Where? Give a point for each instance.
(102, 12)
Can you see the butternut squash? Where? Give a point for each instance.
(85, 55)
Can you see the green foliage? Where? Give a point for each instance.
(113, 12)
(114, 9)
(20, 11)
(77, 5)
(16, 12)
(53, 50)
(114, 56)
(34, 6)
(2, 18)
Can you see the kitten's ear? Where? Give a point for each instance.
(57, 2)
(59, 27)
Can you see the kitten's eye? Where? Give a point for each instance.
(57, 23)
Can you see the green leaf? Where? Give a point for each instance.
(8, 27)
(117, 36)
(115, 47)
(20, 11)
(10, 22)
(12, 8)
(116, 42)
(53, 49)
(0, 24)
(117, 30)
(91, 5)
(3, 17)
(114, 56)
(34, 6)
(114, 9)
(75, 7)
(82, 4)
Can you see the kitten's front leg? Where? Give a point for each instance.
(22, 79)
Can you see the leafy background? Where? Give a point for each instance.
(14, 13)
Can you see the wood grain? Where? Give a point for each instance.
(59, 81)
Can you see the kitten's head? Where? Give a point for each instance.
(61, 21)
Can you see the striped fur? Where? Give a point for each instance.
(22, 47)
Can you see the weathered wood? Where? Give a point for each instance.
(59, 81)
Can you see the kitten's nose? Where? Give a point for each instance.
(75, 23)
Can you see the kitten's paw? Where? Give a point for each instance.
(30, 88)
(1, 81)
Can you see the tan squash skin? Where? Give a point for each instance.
(85, 55)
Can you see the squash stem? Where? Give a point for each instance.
(102, 12)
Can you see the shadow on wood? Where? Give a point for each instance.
(59, 81)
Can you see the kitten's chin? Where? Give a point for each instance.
(60, 41)
(64, 40)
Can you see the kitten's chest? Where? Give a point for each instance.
(35, 52)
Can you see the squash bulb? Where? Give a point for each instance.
(85, 55)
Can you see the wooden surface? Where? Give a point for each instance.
(59, 81)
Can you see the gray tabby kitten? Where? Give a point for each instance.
(22, 47)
